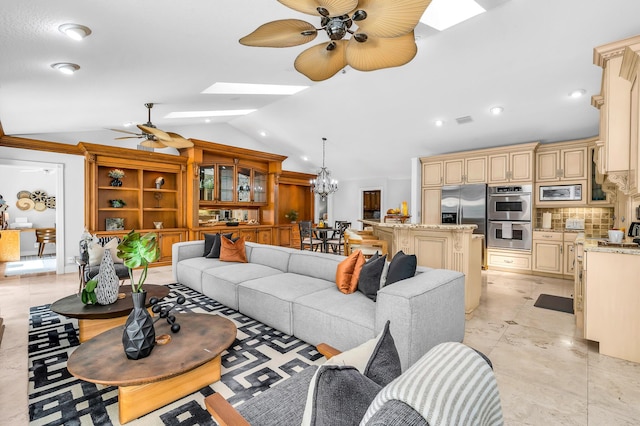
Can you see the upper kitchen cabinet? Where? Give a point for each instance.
(510, 166)
(465, 170)
(562, 161)
(432, 173)
(617, 150)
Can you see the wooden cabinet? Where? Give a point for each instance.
(229, 183)
(9, 245)
(262, 235)
(465, 171)
(166, 239)
(554, 253)
(511, 167)
(557, 164)
(431, 202)
(432, 173)
(509, 260)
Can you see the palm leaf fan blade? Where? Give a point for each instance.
(318, 63)
(390, 18)
(377, 52)
(159, 134)
(177, 141)
(310, 7)
(152, 144)
(282, 33)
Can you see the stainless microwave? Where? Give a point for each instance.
(571, 192)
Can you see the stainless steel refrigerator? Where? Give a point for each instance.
(465, 204)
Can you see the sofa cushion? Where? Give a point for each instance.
(370, 275)
(348, 272)
(384, 362)
(212, 244)
(341, 320)
(396, 413)
(96, 252)
(270, 299)
(221, 284)
(318, 265)
(280, 405)
(232, 251)
(341, 396)
(190, 270)
(275, 257)
(402, 266)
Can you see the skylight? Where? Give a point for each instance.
(253, 89)
(200, 114)
(443, 14)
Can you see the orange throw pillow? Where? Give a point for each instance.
(232, 251)
(347, 270)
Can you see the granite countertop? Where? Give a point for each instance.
(419, 225)
(559, 230)
(591, 244)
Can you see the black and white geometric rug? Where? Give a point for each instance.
(259, 358)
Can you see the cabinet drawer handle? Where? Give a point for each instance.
(547, 236)
(508, 261)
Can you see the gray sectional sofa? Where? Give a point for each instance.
(294, 291)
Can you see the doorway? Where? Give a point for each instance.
(21, 175)
(371, 206)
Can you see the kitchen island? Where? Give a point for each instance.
(453, 247)
(608, 298)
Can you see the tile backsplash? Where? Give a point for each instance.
(597, 220)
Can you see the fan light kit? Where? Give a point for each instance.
(74, 31)
(383, 38)
(65, 67)
(154, 137)
(324, 184)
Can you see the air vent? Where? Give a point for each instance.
(464, 120)
(145, 148)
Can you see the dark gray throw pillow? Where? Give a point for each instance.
(384, 364)
(215, 247)
(369, 281)
(208, 243)
(402, 266)
(342, 396)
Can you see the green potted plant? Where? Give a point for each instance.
(292, 215)
(139, 250)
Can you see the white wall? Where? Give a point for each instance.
(346, 203)
(73, 192)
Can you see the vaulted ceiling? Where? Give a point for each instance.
(525, 56)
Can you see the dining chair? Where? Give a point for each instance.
(336, 242)
(44, 236)
(308, 238)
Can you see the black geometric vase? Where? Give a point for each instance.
(116, 182)
(139, 335)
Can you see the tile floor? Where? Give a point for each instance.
(546, 374)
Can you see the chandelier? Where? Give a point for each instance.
(324, 184)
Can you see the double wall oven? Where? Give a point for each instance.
(509, 217)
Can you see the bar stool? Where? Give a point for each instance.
(44, 236)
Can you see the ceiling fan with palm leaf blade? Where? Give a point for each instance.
(383, 38)
(154, 137)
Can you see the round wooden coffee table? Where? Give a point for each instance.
(94, 319)
(189, 362)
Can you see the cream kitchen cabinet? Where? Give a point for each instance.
(465, 170)
(553, 253)
(431, 198)
(432, 173)
(561, 164)
(511, 167)
(509, 260)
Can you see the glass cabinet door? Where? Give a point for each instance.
(259, 186)
(207, 183)
(244, 186)
(225, 184)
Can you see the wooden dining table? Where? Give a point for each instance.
(324, 235)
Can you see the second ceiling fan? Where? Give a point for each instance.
(154, 137)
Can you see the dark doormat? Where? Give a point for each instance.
(555, 303)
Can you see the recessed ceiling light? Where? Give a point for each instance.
(263, 133)
(253, 89)
(65, 67)
(578, 93)
(442, 14)
(439, 123)
(128, 124)
(305, 158)
(200, 114)
(74, 31)
(497, 110)
(207, 120)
